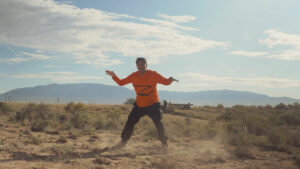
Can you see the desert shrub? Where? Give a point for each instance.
(114, 115)
(296, 105)
(170, 109)
(257, 124)
(111, 121)
(74, 108)
(34, 112)
(89, 129)
(220, 107)
(281, 106)
(252, 123)
(79, 120)
(187, 131)
(130, 101)
(277, 139)
(241, 139)
(74, 133)
(37, 116)
(231, 115)
(292, 138)
(39, 125)
(236, 127)
(4, 108)
(112, 125)
(62, 151)
(291, 118)
(62, 118)
(37, 140)
(99, 124)
(268, 107)
(242, 152)
(209, 133)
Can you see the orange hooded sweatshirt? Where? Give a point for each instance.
(144, 86)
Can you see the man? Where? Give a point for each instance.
(147, 102)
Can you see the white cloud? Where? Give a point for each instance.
(49, 66)
(264, 82)
(52, 66)
(84, 62)
(177, 19)
(276, 39)
(36, 56)
(59, 76)
(32, 56)
(49, 26)
(250, 54)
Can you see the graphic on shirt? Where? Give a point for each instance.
(144, 88)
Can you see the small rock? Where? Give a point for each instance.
(101, 160)
(61, 140)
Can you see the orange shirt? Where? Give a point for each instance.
(144, 86)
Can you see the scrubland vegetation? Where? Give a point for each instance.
(240, 129)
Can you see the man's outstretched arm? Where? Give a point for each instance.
(119, 81)
(163, 80)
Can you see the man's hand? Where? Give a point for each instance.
(110, 73)
(171, 78)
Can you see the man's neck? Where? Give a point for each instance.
(142, 72)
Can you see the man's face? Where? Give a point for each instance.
(141, 66)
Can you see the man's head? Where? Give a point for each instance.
(141, 64)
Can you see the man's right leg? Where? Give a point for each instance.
(133, 118)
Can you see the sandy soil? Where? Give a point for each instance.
(21, 148)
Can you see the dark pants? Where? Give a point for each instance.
(154, 112)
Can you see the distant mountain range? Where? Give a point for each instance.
(105, 94)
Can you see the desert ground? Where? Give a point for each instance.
(80, 136)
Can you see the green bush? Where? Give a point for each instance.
(4, 108)
(112, 125)
(241, 139)
(281, 106)
(293, 138)
(170, 109)
(257, 124)
(89, 129)
(291, 118)
(99, 124)
(79, 120)
(220, 107)
(34, 112)
(74, 108)
(242, 152)
(231, 115)
(113, 115)
(236, 127)
(277, 139)
(39, 125)
(38, 116)
(130, 101)
(37, 140)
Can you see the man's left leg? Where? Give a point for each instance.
(154, 112)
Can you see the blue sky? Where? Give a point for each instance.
(206, 44)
